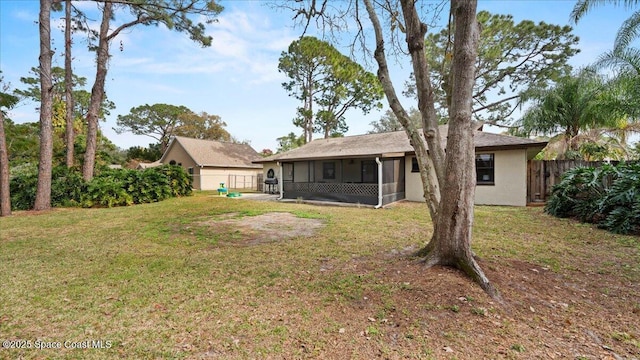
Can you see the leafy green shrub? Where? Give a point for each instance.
(67, 186)
(22, 187)
(147, 186)
(180, 181)
(608, 196)
(137, 187)
(579, 192)
(106, 191)
(622, 202)
(110, 187)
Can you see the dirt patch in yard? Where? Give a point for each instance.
(265, 228)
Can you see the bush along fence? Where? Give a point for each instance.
(117, 187)
(608, 196)
(542, 175)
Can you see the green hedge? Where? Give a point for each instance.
(117, 187)
(608, 196)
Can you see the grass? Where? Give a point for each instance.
(154, 282)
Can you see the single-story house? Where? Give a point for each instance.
(214, 162)
(378, 169)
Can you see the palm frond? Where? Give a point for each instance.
(624, 61)
(629, 31)
(582, 7)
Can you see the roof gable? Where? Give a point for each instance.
(215, 153)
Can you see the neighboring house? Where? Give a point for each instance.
(377, 169)
(142, 165)
(214, 162)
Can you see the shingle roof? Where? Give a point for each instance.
(216, 153)
(390, 142)
(143, 165)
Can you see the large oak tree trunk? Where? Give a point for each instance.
(97, 94)
(5, 196)
(448, 180)
(451, 242)
(415, 36)
(43, 191)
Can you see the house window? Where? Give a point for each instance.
(414, 165)
(328, 170)
(485, 169)
(190, 170)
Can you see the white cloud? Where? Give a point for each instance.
(25, 15)
(243, 44)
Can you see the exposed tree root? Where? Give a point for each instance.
(467, 264)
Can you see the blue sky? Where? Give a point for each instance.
(237, 77)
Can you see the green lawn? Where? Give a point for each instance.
(176, 280)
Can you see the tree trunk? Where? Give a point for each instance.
(451, 242)
(5, 196)
(309, 110)
(97, 94)
(68, 79)
(415, 37)
(425, 163)
(450, 206)
(43, 191)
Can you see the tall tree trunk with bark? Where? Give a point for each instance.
(43, 191)
(68, 79)
(451, 242)
(428, 172)
(5, 196)
(308, 108)
(448, 179)
(415, 38)
(97, 94)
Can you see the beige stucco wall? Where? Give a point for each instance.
(510, 186)
(177, 154)
(270, 165)
(510, 180)
(265, 169)
(413, 184)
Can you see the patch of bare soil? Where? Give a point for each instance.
(265, 228)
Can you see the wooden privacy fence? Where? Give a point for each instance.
(543, 174)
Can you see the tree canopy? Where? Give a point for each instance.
(176, 15)
(288, 142)
(161, 121)
(201, 126)
(328, 84)
(590, 115)
(80, 95)
(511, 58)
(389, 122)
(577, 103)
